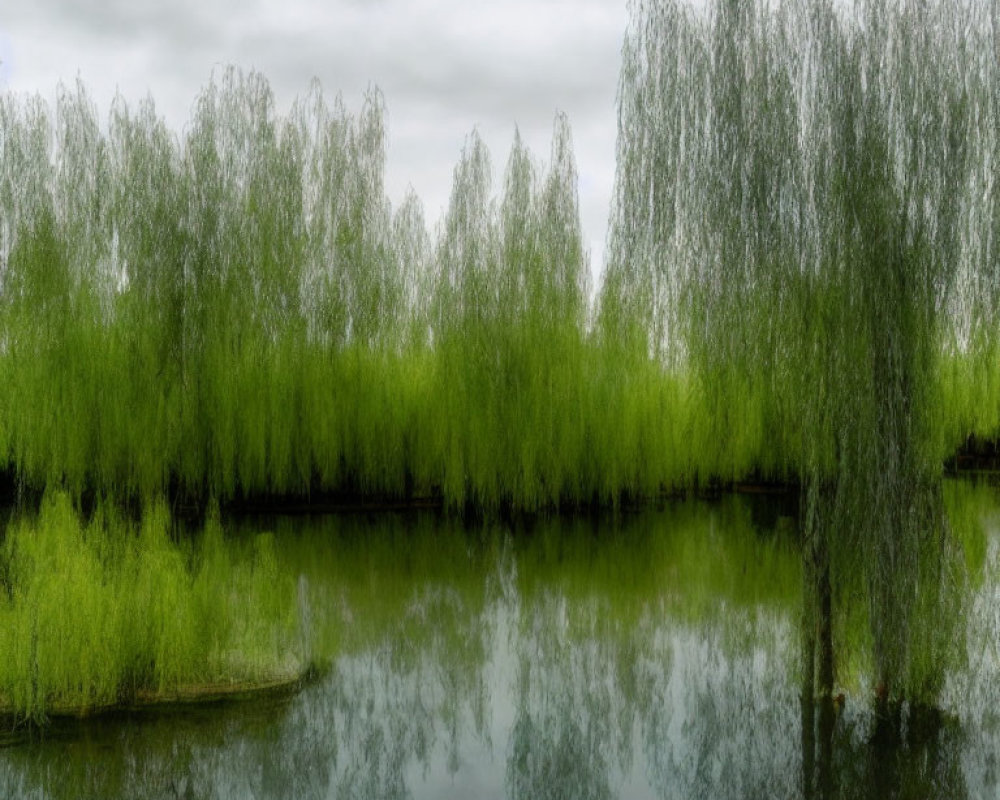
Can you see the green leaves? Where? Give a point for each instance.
(98, 611)
(798, 217)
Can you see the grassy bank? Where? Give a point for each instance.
(103, 612)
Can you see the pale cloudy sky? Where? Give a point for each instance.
(444, 66)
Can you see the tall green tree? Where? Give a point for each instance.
(799, 197)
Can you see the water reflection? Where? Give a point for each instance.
(649, 656)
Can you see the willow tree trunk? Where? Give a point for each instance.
(817, 623)
(818, 722)
(817, 703)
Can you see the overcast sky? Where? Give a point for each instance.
(444, 66)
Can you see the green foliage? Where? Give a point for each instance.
(803, 192)
(239, 311)
(97, 611)
(801, 284)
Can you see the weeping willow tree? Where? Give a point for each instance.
(238, 310)
(183, 311)
(805, 196)
(510, 309)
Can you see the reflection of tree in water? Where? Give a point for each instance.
(574, 709)
(212, 752)
(627, 674)
(400, 700)
(951, 754)
(413, 702)
(973, 691)
(715, 716)
(710, 721)
(731, 712)
(554, 760)
(556, 666)
(864, 759)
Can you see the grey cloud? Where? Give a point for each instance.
(181, 23)
(482, 80)
(444, 66)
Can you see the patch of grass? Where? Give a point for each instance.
(96, 612)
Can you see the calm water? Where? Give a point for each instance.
(652, 656)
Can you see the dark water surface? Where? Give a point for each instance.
(649, 656)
